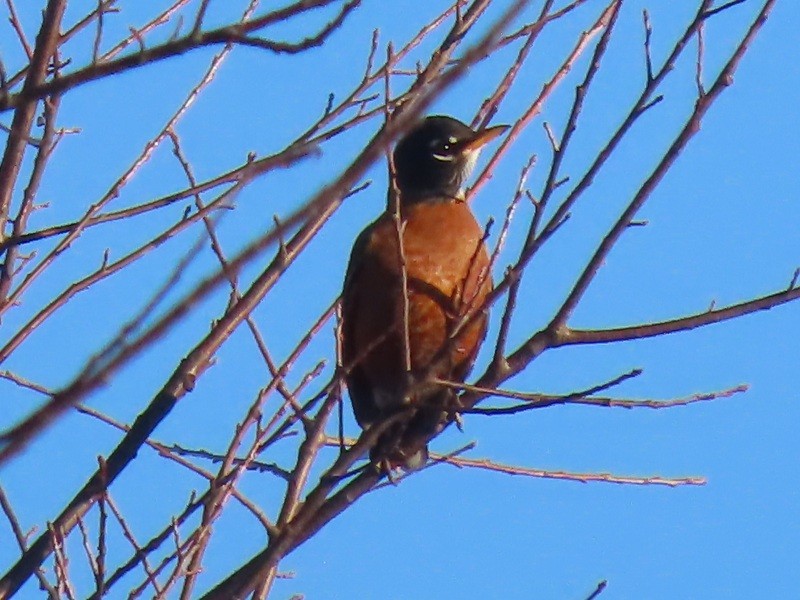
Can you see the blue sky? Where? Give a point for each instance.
(722, 227)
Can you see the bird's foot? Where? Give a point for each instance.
(459, 421)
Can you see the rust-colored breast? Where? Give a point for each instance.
(447, 273)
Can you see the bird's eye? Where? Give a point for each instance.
(442, 150)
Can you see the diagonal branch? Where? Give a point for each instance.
(25, 107)
(239, 32)
(571, 336)
(557, 328)
(317, 211)
(486, 464)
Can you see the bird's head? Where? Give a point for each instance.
(437, 156)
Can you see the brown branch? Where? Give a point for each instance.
(534, 401)
(15, 23)
(559, 151)
(688, 131)
(138, 550)
(547, 90)
(569, 336)
(550, 336)
(295, 47)
(399, 223)
(316, 510)
(598, 590)
(250, 465)
(701, 51)
(500, 369)
(61, 564)
(137, 34)
(248, 170)
(538, 397)
(713, 11)
(22, 542)
(648, 37)
(25, 107)
(505, 321)
(527, 29)
(115, 189)
(489, 465)
(235, 33)
(87, 549)
(321, 207)
(106, 6)
(489, 106)
(102, 549)
(24, 383)
(106, 270)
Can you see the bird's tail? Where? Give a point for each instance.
(406, 444)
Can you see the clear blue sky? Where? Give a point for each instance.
(722, 226)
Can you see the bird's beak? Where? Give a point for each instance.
(481, 138)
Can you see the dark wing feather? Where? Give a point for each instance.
(358, 384)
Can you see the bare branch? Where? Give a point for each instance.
(489, 465)
(714, 315)
(598, 590)
(238, 33)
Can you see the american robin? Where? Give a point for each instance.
(397, 321)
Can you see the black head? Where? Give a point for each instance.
(437, 155)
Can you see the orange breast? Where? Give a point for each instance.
(447, 271)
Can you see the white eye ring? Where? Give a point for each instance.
(443, 148)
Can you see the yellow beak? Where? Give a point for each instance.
(481, 138)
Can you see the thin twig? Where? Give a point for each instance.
(490, 465)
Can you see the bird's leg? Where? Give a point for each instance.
(387, 469)
(408, 393)
(459, 421)
(451, 409)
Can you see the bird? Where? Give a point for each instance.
(401, 302)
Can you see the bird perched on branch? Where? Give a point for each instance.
(404, 304)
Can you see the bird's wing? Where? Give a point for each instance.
(358, 384)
